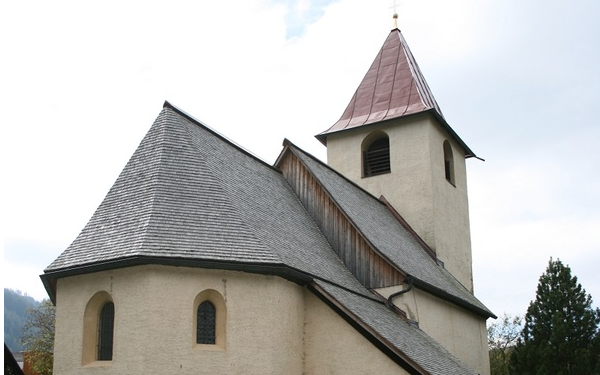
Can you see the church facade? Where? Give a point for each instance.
(204, 259)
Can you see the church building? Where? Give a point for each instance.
(203, 259)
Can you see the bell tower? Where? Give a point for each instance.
(393, 140)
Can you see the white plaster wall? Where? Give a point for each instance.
(451, 207)
(461, 332)
(408, 187)
(333, 347)
(154, 322)
(416, 186)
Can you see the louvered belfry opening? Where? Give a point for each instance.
(376, 158)
(206, 324)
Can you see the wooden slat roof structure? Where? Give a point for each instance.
(379, 226)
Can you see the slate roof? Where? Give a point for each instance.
(393, 87)
(190, 197)
(379, 226)
(411, 341)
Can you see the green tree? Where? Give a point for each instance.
(502, 338)
(38, 337)
(560, 335)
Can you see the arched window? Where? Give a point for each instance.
(376, 156)
(105, 331)
(98, 329)
(206, 323)
(210, 320)
(448, 163)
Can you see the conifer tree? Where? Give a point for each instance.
(560, 335)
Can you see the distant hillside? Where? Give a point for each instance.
(15, 306)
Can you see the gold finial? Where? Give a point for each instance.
(395, 14)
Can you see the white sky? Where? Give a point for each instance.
(519, 81)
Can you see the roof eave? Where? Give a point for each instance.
(366, 331)
(423, 285)
(468, 152)
(322, 137)
(50, 278)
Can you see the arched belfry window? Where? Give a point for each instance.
(448, 163)
(206, 323)
(376, 155)
(106, 322)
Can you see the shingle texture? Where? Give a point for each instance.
(188, 194)
(167, 202)
(378, 225)
(408, 339)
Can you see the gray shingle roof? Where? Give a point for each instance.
(188, 195)
(378, 225)
(408, 339)
(166, 202)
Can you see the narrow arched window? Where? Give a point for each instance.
(106, 322)
(376, 157)
(448, 163)
(206, 323)
(210, 323)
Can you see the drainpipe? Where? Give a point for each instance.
(409, 279)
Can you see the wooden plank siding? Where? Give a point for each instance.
(357, 254)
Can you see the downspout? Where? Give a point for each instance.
(409, 279)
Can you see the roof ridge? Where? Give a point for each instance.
(222, 183)
(168, 105)
(155, 179)
(434, 279)
(162, 204)
(288, 142)
(419, 78)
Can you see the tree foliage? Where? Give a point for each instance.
(38, 337)
(502, 338)
(560, 335)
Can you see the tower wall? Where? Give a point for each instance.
(416, 186)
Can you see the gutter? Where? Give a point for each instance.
(390, 302)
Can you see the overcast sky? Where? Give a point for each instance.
(519, 81)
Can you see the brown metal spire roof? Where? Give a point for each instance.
(393, 87)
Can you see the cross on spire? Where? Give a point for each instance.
(395, 16)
